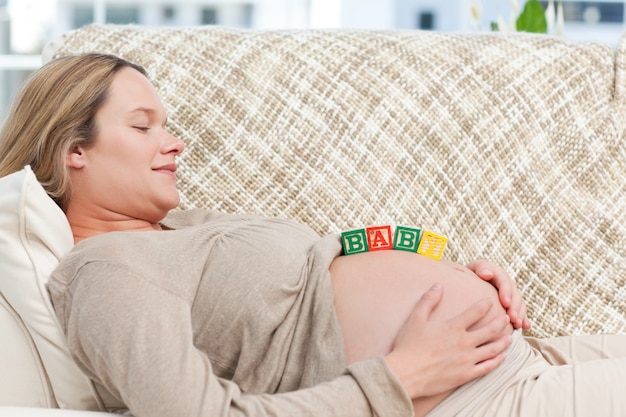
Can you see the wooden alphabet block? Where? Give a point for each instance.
(354, 241)
(379, 238)
(406, 238)
(432, 245)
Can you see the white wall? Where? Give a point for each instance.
(368, 14)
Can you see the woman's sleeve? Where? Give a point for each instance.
(136, 339)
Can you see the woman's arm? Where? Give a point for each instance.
(136, 340)
(510, 295)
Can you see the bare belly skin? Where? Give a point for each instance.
(376, 291)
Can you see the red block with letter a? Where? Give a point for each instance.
(379, 238)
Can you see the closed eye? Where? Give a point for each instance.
(142, 128)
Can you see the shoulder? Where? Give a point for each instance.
(142, 258)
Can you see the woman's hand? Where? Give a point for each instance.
(433, 357)
(510, 296)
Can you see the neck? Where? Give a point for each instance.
(85, 225)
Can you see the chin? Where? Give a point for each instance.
(173, 204)
(161, 208)
(172, 200)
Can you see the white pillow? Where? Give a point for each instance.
(37, 369)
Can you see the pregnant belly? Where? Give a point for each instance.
(376, 291)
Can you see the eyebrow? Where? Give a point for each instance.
(148, 111)
(142, 110)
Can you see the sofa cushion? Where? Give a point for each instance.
(37, 369)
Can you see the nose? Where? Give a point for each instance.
(172, 144)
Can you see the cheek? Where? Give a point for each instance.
(124, 155)
(133, 160)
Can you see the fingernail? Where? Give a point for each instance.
(436, 286)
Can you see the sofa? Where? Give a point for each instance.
(511, 145)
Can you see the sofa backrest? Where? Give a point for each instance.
(510, 144)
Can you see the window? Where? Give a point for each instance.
(426, 20)
(122, 15)
(248, 13)
(592, 12)
(209, 16)
(169, 13)
(82, 16)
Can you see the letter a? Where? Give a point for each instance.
(379, 238)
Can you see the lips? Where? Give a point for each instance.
(166, 169)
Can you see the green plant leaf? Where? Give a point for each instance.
(532, 19)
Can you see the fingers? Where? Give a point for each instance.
(488, 340)
(471, 315)
(509, 295)
(498, 277)
(525, 322)
(483, 268)
(489, 356)
(485, 337)
(486, 334)
(517, 309)
(486, 366)
(428, 302)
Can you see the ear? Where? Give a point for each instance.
(75, 157)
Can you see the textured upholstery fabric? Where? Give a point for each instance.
(511, 145)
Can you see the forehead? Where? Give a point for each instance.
(131, 90)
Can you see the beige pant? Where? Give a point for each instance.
(577, 376)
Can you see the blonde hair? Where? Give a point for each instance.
(55, 111)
